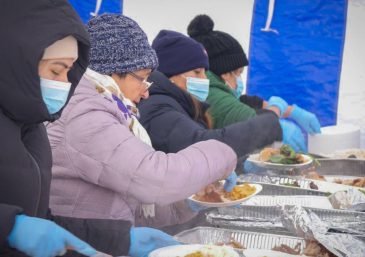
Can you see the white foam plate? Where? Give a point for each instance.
(228, 203)
(267, 253)
(182, 250)
(254, 158)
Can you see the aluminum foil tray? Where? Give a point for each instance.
(273, 212)
(301, 200)
(267, 218)
(250, 240)
(272, 189)
(304, 184)
(342, 167)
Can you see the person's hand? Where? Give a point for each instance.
(43, 238)
(231, 182)
(292, 135)
(279, 103)
(195, 207)
(249, 167)
(307, 120)
(144, 240)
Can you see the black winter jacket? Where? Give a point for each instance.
(168, 115)
(26, 29)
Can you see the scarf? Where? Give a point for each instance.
(106, 86)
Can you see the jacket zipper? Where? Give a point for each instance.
(40, 185)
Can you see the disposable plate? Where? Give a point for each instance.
(228, 203)
(183, 250)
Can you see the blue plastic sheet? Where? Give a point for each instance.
(302, 63)
(85, 7)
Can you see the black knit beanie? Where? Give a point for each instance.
(225, 53)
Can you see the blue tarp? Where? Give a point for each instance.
(85, 7)
(301, 64)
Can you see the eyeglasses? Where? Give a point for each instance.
(142, 80)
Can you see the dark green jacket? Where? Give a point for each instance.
(225, 108)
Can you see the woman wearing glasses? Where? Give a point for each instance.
(104, 164)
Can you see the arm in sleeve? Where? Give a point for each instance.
(7, 219)
(243, 137)
(226, 109)
(107, 154)
(253, 101)
(109, 236)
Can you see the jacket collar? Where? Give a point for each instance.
(217, 82)
(163, 86)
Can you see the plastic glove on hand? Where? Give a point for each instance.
(292, 135)
(144, 240)
(43, 238)
(231, 182)
(278, 102)
(195, 207)
(249, 167)
(307, 120)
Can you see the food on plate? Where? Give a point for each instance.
(195, 254)
(232, 243)
(266, 154)
(212, 197)
(211, 193)
(313, 248)
(215, 193)
(213, 251)
(240, 192)
(357, 182)
(284, 155)
(287, 249)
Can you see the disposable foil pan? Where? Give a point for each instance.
(304, 184)
(273, 189)
(250, 240)
(301, 200)
(342, 167)
(267, 218)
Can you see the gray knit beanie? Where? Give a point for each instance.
(119, 45)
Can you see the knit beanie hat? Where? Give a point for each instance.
(119, 45)
(225, 53)
(178, 53)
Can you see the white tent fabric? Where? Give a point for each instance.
(176, 14)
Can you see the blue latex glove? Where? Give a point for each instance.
(307, 120)
(278, 102)
(43, 238)
(144, 240)
(231, 182)
(292, 135)
(195, 207)
(249, 167)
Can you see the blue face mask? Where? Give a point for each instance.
(239, 88)
(54, 94)
(198, 88)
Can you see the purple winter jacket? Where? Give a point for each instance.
(101, 170)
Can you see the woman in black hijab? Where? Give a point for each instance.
(44, 53)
